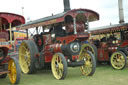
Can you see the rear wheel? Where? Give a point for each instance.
(14, 71)
(126, 50)
(118, 60)
(89, 67)
(27, 53)
(59, 66)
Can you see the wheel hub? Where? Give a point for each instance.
(57, 66)
(87, 63)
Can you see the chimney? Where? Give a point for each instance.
(66, 5)
(121, 14)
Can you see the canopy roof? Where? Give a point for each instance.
(14, 19)
(91, 15)
(109, 29)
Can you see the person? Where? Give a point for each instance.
(59, 32)
(111, 38)
(103, 39)
(126, 35)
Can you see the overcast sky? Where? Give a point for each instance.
(35, 9)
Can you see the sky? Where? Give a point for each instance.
(35, 9)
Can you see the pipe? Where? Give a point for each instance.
(66, 5)
(121, 13)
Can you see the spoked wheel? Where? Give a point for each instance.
(118, 60)
(59, 66)
(27, 56)
(92, 48)
(89, 67)
(14, 71)
(126, 52)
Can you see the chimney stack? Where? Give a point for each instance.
(66, 5)
(121, 14)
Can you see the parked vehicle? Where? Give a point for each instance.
(8, 63)
(60, 44)
(111, 43)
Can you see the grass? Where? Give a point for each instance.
(104, 75)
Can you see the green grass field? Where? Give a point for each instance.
(104, 75)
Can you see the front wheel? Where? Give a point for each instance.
(88, 69)
(118, 60)
(92, 48)
(14, 71)
(59, 66)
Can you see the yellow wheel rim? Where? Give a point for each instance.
(117, 60)
(57, 66)
(12, 71)
(86, 69)
(24, 57)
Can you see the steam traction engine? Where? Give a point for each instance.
(110, 43)
(60, 44)
(8, 65)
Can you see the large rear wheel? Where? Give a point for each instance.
(89, 67)
(59, 66)
(14, 71)
(118, 60)
(27, 60)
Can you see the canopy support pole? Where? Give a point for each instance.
(10, 29)
(74, 21)
(0, 24)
